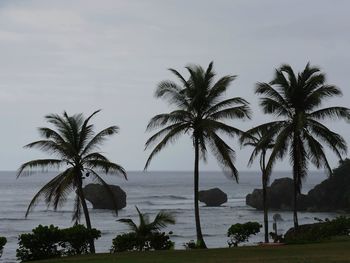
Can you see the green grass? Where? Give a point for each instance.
(307, 253)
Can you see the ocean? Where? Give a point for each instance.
(150, 192)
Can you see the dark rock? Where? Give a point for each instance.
(333, 194)
(100, 198)
(212, 197)
(279, 196)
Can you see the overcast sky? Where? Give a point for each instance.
(80, 55)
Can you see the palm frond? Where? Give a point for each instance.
(174, 117)
(99, 138)
(106, 167)
(224, 154)
(31, 167)
(162, 219)
(171, 136)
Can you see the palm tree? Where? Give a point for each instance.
(199, 112)
(261, 143)
(75, 145)
(296, 101)
(146, 227)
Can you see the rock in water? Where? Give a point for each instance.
(99, 197)
(212, 197)
(279, 196)
(333, 194)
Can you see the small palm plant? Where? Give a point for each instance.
(146, 228)
(200, 112)
(296, 102)
(75, 145)
(261, 142)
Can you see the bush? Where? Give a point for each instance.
(239, 233)
(51, 242)
(124, 242)
(131, 241)
(76, 239)
(3, 242)
(160, 241)
(322, 230)
(41, 244)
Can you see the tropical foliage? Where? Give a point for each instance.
(296, 100)
(200, 112)
(50, 242)
(239, 233)
(75, 145)
(146, 235)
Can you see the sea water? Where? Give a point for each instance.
(150, 192)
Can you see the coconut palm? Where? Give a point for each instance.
(146, 228)
(261, 143)
(75, 146)
(296, 101)
(200, 111)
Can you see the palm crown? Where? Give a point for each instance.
(75, 145)
(199, 112)
(297, 100)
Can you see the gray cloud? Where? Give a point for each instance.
(84, 55)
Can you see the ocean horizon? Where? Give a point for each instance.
(150, 191)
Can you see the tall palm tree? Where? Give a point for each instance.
(146, 227)
(261, 142)
(199, 112)
(296, 101)
(76, 147)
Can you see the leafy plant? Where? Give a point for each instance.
(200, 112)
(3, 242)
(76, 239)
(50, 242)
(239, 233)
(146, 235)
(42, 243)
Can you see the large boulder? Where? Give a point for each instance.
(279, 196)
(100, 197)
(212, 197)
(333, 194)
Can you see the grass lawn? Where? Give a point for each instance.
(306, 253)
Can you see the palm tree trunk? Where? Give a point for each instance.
(86, 212)
(266, 219)
(200, 239)
(264, 184)
(295, 205)
(296, 175)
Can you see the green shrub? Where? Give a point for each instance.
(239, 233)
(51, 242)
(160, 241)
(41, 244)
(3, 242)
(75, 239)
(131, 241)
(322, 230)
(125, 242)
